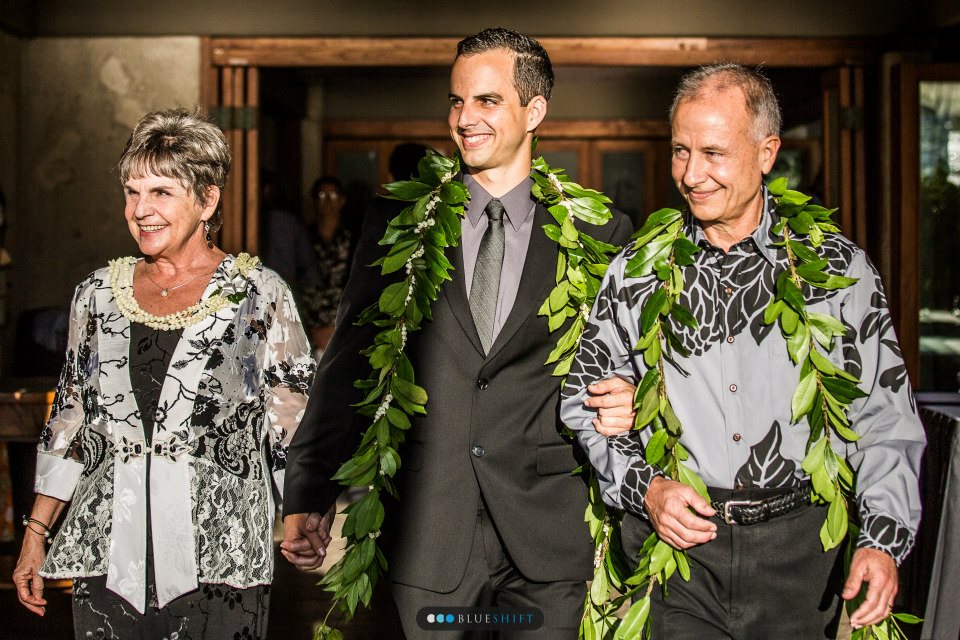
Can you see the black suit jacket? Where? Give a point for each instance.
(491, 428)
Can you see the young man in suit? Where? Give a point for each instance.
(489, 514)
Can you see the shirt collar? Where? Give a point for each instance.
(761, 238)
(517, 203)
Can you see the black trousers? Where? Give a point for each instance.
(768, 580)
(492, 580)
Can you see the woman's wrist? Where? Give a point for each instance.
(36, 527)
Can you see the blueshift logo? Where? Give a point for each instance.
(460, 618)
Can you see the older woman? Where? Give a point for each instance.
(186, 375)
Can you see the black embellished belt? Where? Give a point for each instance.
(746, 512)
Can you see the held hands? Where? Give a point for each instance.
(305, 538)
(613, 400)
(26, 576)
(672, 507)
(878, 569)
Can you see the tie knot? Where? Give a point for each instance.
(494, 210)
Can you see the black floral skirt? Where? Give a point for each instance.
(212, 612)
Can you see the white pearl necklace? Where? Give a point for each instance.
(121, 284)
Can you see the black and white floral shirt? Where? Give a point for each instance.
(732, 394)
(231, 400)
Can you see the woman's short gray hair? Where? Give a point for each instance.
(762, 102)
(180, 144)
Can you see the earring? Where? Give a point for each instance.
(206, 227)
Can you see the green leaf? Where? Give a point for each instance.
(689, 478)
(837, 520)
(642, 263)
(393, 297)
(662, 553)
(804, 395)
(682, 315)
(454, 192)
(652, 308)
(631, 627)
(683, 565)
(600, 589)
(908, 618)
(778, 187)
(836, 282)
(773, 311)
(407, 190)
(408, 391)
(368, 512)
(821, 363)
(656, 447)
(803, 252)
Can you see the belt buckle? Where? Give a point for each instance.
(727, 517)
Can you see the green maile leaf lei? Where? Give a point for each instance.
(822, 397)
(416, 240)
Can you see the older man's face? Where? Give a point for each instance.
(717, 162)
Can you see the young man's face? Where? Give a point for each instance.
(718, 163)
(487, 121)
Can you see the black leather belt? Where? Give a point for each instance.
(746, 512)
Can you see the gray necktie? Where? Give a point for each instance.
(486, 274)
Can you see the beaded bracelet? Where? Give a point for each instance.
(28, 522)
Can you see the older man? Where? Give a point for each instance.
(733, 392)
(489, 514)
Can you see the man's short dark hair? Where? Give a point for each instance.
(762, 102)
(532, 71)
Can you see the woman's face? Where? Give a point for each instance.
(164, 215)
(329, 201)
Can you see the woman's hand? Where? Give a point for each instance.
(26, 576)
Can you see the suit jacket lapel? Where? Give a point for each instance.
(456, 295)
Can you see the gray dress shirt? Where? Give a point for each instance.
(518, 206)
(732, 394)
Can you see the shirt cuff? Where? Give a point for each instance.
(639, 474)
(881, 532)
(57, 477)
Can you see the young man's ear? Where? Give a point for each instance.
(536, 112)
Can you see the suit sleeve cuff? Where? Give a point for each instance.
(57, 477)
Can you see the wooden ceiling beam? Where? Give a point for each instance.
(619, 52)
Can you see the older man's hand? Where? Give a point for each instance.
(879, 571)
(673, 508)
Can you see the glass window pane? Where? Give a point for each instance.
(623, 176)
(566, 160)
(940, 236)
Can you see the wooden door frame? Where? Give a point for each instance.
(902, 235)
(219, 55)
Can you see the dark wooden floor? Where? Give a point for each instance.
(296, 606)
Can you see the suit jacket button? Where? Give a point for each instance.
(483, 383)
(478, 451)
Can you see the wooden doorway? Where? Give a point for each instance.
(231, 67)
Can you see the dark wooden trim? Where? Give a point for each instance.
(437, 128)
(600, 51)
(905, 242)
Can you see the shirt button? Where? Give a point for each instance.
(483, 383)
(728, 291)
(477, 451)
(737, 437)
(733, 387)
(730, 339)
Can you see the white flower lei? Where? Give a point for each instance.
(121, 284)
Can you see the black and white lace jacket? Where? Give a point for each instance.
(232, 397)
